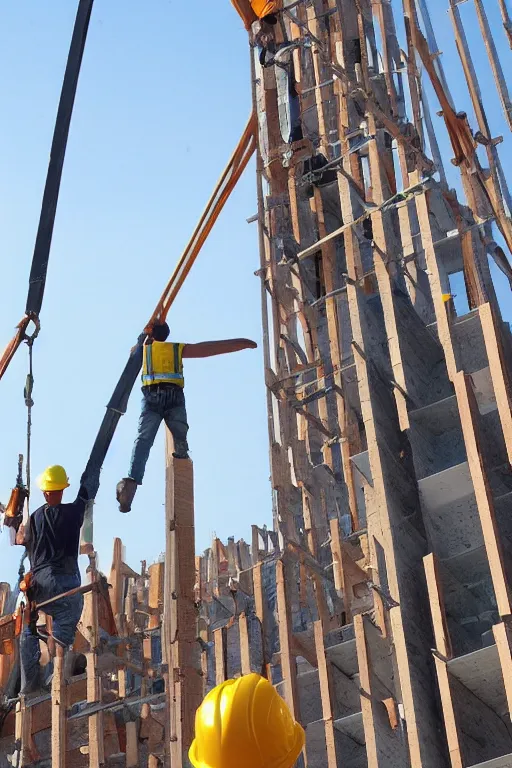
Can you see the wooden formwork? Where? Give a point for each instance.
(379, 602)
(375, 386)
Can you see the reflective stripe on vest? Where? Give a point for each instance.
(162, 364)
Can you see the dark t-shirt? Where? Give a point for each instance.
(55, 535)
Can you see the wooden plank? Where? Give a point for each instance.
(441, 633)
(333, 330)
(500, 376)
(492, 53)
(384, 246)
(258, 592)
(503, 636)
(437, 286)
(366, 698)
(25, 749)
(132, 745)
(181, 650)
(220, 655)
(116, 580)
(245, 653)
(58, 737)
(94, 685)
(450, 721)
(288, 665)
(468, 415)
(326, 696)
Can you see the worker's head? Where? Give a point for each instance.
(245, 723)
(53, 482)
(160, 332)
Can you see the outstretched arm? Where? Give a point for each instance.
(211, 348)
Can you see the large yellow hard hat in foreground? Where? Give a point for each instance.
(53, 479)
(244, 723)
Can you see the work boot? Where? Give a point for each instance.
(181, 449)
(125, 491)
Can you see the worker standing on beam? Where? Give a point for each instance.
(52, 542)
(164, 398)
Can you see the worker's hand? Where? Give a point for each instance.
(250, 344)
(21, 539)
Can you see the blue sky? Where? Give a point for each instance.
(157, 115)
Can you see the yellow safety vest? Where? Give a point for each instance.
(162, 363)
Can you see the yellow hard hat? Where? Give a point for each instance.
(245, 723)
(53, 479)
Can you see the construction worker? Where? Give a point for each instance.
(164, 398)
(52, 543)
(245, 722)
(251, 10)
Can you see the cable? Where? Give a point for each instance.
(40, 258)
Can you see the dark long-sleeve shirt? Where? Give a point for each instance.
(55, 535)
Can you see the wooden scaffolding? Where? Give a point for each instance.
(379, 604)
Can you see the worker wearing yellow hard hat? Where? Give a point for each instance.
(244, 723)
(53, 479)
(251, 10)
(164, 397)
(52, 541)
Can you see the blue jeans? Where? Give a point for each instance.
(158, 404)
(65, 613)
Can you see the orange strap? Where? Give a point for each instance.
(13, 345)
(226, 184)
(16, 341)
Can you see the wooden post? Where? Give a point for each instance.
(503, 636)
(58, 711)
(443, 646)
(96, 750)
(484, 499)
(245, 652)
(182, 652)
(220, 655)
(24, 754)
(132, 744)
(288, 665)
(326, 695)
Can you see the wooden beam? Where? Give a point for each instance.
(468, 416)
(132, 745)
(439, 623)
(366, 697)
(94, 686)
(450, 720)
(326, 695)
(288, 665)
(220, 655)
(181, 650)
(25, 751)
(503, 636)
(245, 651)
(500, 376)
(58, 737)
